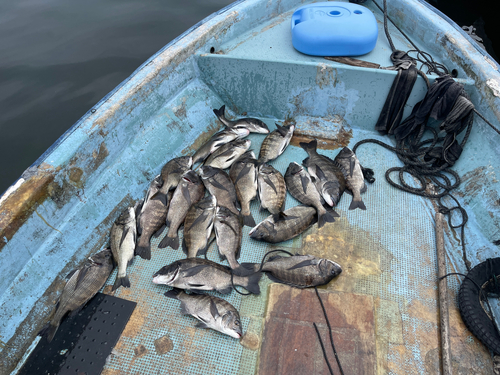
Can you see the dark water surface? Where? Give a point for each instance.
(59, 58)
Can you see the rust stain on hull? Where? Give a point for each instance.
(341, 141)
(20, 204)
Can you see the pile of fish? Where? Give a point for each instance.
(212, 204)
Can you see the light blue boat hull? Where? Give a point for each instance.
(62, 208)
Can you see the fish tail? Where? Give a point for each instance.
(311, 146)
(48, 331)
(357, 203)
(248, 220)
(325, 217)
(173, 242)
(251, 282)
(143, 251)
(219, 113)
(173, 293)
(241, 270)
(121, 281)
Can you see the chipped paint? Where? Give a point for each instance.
(494, 85)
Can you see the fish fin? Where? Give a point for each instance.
(173, 293)
(184, 309)
(159, 231)
(325, 218)
(173, 242)
(143, 251)
(270, 183)
(160, 197)
(218, 185)
(201, 325)
(368, 174)
(357, 204)
(242, 173)
(352, 164)
(49, 331)
(75, 312)
(305, 162)
(184, 246)
(225, 290)
(121, 281)
(219, 113)
(199, 219)
(311, 146)
(194, 270)
(202, 251)
(282, 130)
(124, 235)
(131, 261)
(363, 189)
(81, 276)
(213, 309)
(248, 220)
(304, 180)
(187, 196)
(320, 173)
(305, 263)
(240, 270)
(331, 211)
(68, 276)
(252, 283)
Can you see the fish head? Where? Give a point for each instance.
(166, 275)
(262, 230)
(207, 172)
(256, 126)
(184, 162)
(329, 269)
(126, 216)
(243, 144)
(207, 203)
(330, 192)
(190, 177)
(266, 169)
(294, 169)
(290, 128)
(240, 131)
(223, 213)
(231, 325)
(103, 257)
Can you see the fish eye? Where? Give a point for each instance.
(236, 322)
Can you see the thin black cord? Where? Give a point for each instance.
(330, 331)
(323, 348)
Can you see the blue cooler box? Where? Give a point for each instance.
(334, 29)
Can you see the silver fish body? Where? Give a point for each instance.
(355, 181)
(212, 312)
(271, 188)
(198, 226)
(301, 187)
(228, 234)
(301, 271)
(275, 143)
(122, 242)
(328, 175)
(172, 172)
(254, 125)
(151, 218)
(220, 185)
(243, 173)
(217, 140)
(199, 274)
(227, 154)
(82, 285)
(275, 229)
(189, 191)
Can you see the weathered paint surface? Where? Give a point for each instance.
(64, 208)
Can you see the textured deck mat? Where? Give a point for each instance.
(82, 343)
(387, 253)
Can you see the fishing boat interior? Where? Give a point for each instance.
(384, 308)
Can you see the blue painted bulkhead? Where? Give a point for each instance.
(105, 161)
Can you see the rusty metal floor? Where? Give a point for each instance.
(382, 308)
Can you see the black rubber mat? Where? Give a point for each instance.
(82, 343)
